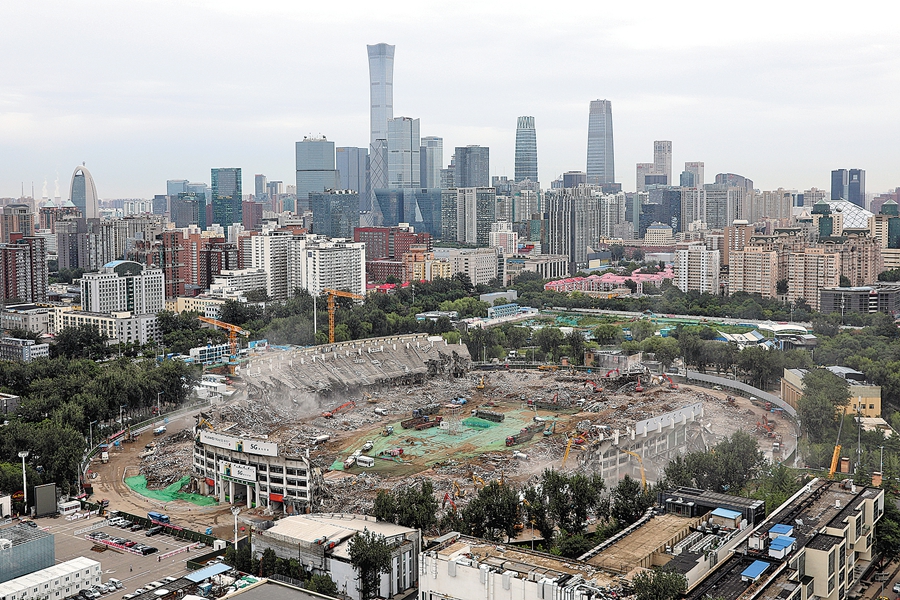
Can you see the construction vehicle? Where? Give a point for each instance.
(233, 332)
(597, 388)
(523, 436)
(428, 409)
(331, 307)
(368, 398)
(429, 423)
(672, 384)
(480, 384)
(836, 457)
(550, 429)
(328, 414)
(447, 499)
(639, 388)
(610, 372)
(368, 446)
(548, 368)
(389, 430)
(202, 423)
(641, 463)
(458, 491)
(566, 455)
(476, 480)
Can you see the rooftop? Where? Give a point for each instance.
(339, 528)
(635, 547)
(21, 533)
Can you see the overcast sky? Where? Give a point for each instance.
(144, 91)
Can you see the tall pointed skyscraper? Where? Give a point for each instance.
(601, 165)
(526, 150)
(381, 89)
(83, 193)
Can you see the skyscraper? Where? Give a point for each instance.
(335, 213)
(471, 167)
(352, 167)
(601, 166)
(83, 193)
(403, 153)
(176, 186)
(695, 169)
(526, 150)
(260, 192)
(839, 181)
(381, 89)
(431, 159)
(662, 159)
(226, 197)
(315, 169)
(849, 185)
(17, 218)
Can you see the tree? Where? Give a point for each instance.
(493, 512)
(549, 339)
(659, 584)
(629, 501)
(616, 252)
(417, 508)
(781, 287)
(607, 335)
(267, 563)
(887, 531)
(322, 584)
(844, 281)
(370, 555)
(83, 341)
(385, 508)
(575, 342)
(823, 393)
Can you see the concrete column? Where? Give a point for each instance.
(256, 492)
(231, 491)
(220, 485)
(249, 496)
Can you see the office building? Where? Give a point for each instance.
(860, 299)
(724, 204)
(251, 215)
(572, 224)
(123, 285)
(188, 208)
(17, 218)
(431, 159)
(503, 236)
(526, 150)
(467, 214)
(381, 90)
(471, 167)
(352, 169)
(643, 171)
(176, 186)
(662, 159)
(733, 180)
(119, 327)
(315, 168)
(696, 268)
(260, 188)
(572, 179)
(600, 154)
(27, 317)
(83, 193)
(404, 167)
(30, 549)
(335, 213)
(696, 171)
(390, 242)
(856, 187)
(480, 264)
(226, 197)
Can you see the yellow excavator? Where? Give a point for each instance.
(480, 384)
(641, 463)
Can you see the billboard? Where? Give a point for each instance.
(228, 442)
(235, 471)
(45, 500)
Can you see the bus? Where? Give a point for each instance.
(158, 517)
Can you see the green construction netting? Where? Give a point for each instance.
(170, 493)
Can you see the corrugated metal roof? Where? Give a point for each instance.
(755, 570)
(207, 572)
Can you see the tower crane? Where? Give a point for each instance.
(331, 296)
(641, 463)
(233, 332)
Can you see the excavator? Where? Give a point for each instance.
(345, 406)
(476, 480)
(672, 384)
(641, 463)
(639, 388)
(550, 429)
(447, 499)
(480, 384)
(597, 388)
(458, 491)
(610, 372)
(566, 455)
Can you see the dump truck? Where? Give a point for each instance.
(428, 409)
(412, 422)
(429, 423)
(488, 415)
(523, 436)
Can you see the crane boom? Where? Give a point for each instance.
(233, 332)
(331, 307)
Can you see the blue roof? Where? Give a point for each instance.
(781, 529)
(207, 572)
(781, 542)
(756, 569)
(725, 513)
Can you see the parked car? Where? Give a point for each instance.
(136, 527)
(115, 583)
(153, 585)
(897, 588)
(170, 579)
(128, 596)
(140, 591)
(153, 530)
(129, 544)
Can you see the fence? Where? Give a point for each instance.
(172, 530)
(739, 386)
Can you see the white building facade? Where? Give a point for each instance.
(54, 583)
(696, 268)
(123, 285)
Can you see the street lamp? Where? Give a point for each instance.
(23, 455)
(235, 510)
(158, 394)
(91, 432)
(121, 422)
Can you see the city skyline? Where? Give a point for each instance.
(123, 119)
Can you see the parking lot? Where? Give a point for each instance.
(133, 570)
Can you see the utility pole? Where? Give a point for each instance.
(158, 410)
(23, 455)
(235, 510)
(91, 432)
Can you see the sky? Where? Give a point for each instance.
(145, 91)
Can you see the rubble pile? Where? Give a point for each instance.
(168, 459)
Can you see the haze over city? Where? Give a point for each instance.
(148, 91)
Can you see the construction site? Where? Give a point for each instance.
(382, 413)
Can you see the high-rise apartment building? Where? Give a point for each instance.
(662, 159)
(754, 270)
(315, 168)
(123, 285)
(572, 224)
(260, 188)
(431, 159)
(335, 213)
(23, 269)
(468, 214)
(526, 150)
(504, 237)
(352, 167)
(471, 167)
(334, 264)
(271, 252)
(226, 197)
(381, 90)
(600, 153)
(83, 193)
(810, 270)
(17, 218)
(696, 268)
(404, 167)
(723, 204)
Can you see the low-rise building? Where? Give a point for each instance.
(235, 283)
(865, 398)
(119, 327)
(212, 354)
(55, 582)
(29, 549)
(207, 306)
(861, 299)
(323, 541)
(28, 317)
(22, 350)
(9, 403)
(548, 266)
